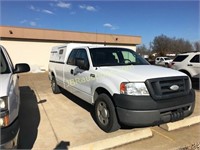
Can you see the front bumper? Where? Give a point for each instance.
(9, 136)
(142, 111)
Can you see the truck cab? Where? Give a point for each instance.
(122, 86)
(9, 99)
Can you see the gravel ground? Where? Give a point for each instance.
(195, 146)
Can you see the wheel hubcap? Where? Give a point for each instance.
(103, 113)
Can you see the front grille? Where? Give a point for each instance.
(162, 88)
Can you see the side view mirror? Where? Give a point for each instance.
(82, 64)
(22, 67)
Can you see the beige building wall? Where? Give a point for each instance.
(36, 54)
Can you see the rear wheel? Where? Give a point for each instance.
(105, 114)
(55, 88)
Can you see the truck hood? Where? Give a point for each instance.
(140, 73)
(4, 84)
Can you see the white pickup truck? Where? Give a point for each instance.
(9, 99)
(123, 87)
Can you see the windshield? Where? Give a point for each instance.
(180, 58)
(115, 57)
(4, 68)
(166, 58)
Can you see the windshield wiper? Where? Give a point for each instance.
(132, 63)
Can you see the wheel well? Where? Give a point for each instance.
(52, 74)
(99, 91)
(186, 72)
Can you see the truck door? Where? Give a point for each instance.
(67, 70)
(78, 81)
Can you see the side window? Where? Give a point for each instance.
(4, 67)
(180, 58)
(116, 57)
(71, 58)
(82, 54)
(77, 53)
(195, 59)
(9, 61)
(61, 54)
(61, 51)
(128, 56)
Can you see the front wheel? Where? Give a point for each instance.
(55, 88)
(105, 114)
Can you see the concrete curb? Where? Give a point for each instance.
(116, 141)
(182, 123)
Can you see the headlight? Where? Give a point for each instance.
(133, 88)
(4, 114)
(3, 103)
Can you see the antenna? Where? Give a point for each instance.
(105, 37)
(96, 36)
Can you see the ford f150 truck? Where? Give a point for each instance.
(9, 99)
(123, 87)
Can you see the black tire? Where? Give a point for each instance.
(55, 88)
(105, 114)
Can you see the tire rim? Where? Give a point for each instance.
(103, 113)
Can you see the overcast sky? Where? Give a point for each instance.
(148, 19)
